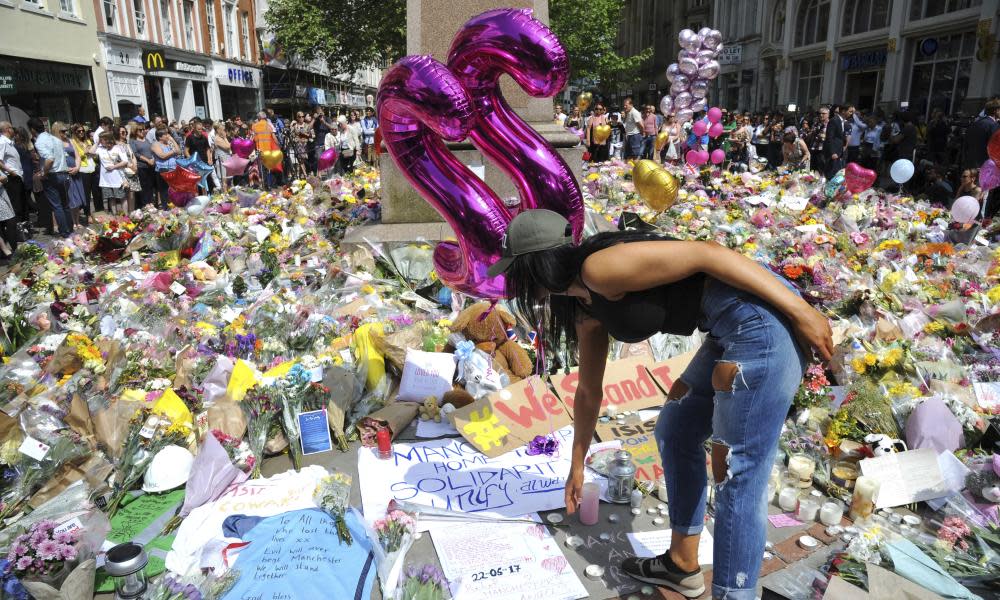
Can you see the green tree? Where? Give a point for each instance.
(589, 32)
(347, 34)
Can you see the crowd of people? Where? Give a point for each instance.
(53, 177)
(946, 152)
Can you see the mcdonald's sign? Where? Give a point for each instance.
(153, 60)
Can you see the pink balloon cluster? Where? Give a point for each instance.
(689, 77)
(713, 127)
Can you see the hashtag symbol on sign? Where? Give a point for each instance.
(485, 429)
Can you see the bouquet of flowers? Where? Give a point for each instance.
(815, 388)
(332, 495)
(41, 552)
(261, 412)
(23, 475)
(423, 583)
(238, 450)
(198, 587)
(293, 392)
(393, 536)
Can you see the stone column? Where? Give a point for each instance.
(430, 27)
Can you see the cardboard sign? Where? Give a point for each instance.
(638, 439)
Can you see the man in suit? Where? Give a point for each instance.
(836, 141)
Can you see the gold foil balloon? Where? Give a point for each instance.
(655, 185)
(583, 100)
(271, 159)
(601, 134)
(662, 139)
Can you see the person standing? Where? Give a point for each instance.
(8, 222)
(55, 180)
(347, 146)
(560, 116)
(575, 119)
(835, 143)
(598, 151)
(140, 116)
(368, 126)
(146, 165)
(131, 171)
(906, 140)
(86, 153)
(302, 140)
(74, 188)
(794, 151)
(152, 127)
(978, 135)
(113, 162)
(649, 128)
(13, 172)
(938, 131)
(354, 124)
(222, 150)
(632, 120)
(672, 151)
(855, 133)
(165, 150)
(321, 127)
(616, 141)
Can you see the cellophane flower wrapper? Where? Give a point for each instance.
(389, 565)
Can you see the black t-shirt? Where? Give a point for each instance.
(197, 143)
(320, 128)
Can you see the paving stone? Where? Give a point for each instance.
(790, 551)
(771, 565)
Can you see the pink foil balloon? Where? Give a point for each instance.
(243, 147)
(715, 130)
(989, 175)
(420, 106)
(965, 209)
(179, 198)
(699, 128)
(714, 114)
(235, 165)
(327, 159)
(512, 42)
(666, 105)
(857, 178)
(718, 156)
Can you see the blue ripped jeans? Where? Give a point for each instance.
(758, 340)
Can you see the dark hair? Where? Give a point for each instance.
(106, 122)
(35, 124)
(554, 271)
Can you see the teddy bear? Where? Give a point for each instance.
(489, 334)
(429, 410)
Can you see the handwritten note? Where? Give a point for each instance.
(505, 562)
(906, 477)
(647, 544)
(141, 521)
(784, 520)
(452, 474)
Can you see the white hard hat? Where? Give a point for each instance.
(168, 469)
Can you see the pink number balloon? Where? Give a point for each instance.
(420, 106)
(327, 159)
(512, 42)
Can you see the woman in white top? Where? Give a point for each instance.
(131, 171)
(223, 150)
(347, 145)
(113, 163)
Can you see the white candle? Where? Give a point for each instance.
(863, 502)
(788, 499)
(801, 466)
(831, 513)
(808, 509)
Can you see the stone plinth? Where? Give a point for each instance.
(430, 27)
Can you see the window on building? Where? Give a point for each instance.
(189, 24)
(140, 18)
(778, 22)
(865, 15)
(68, 7)
(33, 3)
(166, 23)
(109, 7)
(924, 9)
(812, 22)
(245, 34)
(213, 42)
(940, 74)
(809, 78)
(229, 16)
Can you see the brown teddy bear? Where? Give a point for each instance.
(489, 334)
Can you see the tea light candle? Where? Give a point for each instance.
(788, 499)
(611, 411)
(661, 490)
(912, 520)
(831, 513)
(808, 509)
(590, 495)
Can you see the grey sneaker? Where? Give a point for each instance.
(662, 571)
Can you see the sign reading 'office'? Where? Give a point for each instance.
(153, 60)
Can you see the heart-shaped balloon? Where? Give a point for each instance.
(857, 178)
(989, 175)
(235, 165)
(583, 100)
(327, 159)
(601, 133)
(993, 147)
(243, 147)
(271, 159)
(655, 185)
(182, 180)
(661, 141)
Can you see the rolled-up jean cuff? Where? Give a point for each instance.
(686, 529)
(734, 593)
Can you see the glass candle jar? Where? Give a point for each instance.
(808, 510)
(863, 501)
(621, 478)
(801, 467)
(788, 499)
(831, 513)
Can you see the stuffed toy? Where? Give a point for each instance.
(488, 330)
(429, 410)
(882, 445)
(984, 484)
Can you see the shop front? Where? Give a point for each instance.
(863, 74)
(239, 89)
(126, 83)
(49, 90)
(181, 81)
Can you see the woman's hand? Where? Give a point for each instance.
(574, 487)
(813, 331)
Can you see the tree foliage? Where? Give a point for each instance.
(589, 32)
(347, 34)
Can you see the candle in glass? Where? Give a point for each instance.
(590, 496)
(863, 502)
(831, 513)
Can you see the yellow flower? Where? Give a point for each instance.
(892, 279)
(890, 245)
(891, 357)
(993, 294)
(858, 365)
(933, 327)
(870, 359)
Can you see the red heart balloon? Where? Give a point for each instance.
(182, 180)
(857, 178)
(993, 147)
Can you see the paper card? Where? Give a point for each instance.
(229, 313)
(784, 520)
(315, 432)
(647, 544)
(505, 562)
(905, 477)
(74, 524)
(177, 288)
(316, 375)
(987, 394)
(636, 437)
(34, 448)
(793, 203)
(432, 429)
(135, 257)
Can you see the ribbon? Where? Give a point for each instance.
(543, 444)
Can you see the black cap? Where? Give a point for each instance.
(531, 231)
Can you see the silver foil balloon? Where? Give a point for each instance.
(699, 88)
(711, 39)
(709, 70)
(698, 105)
(703, 56)
(683, 100)
(685, 114)
(688, 66)
(684, 53)
(672, 71)
(677, 87)
(688, 39)
(667, 105)
(682, 80)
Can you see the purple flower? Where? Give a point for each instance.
(68, 552)
(24, 563)
(48, 550)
